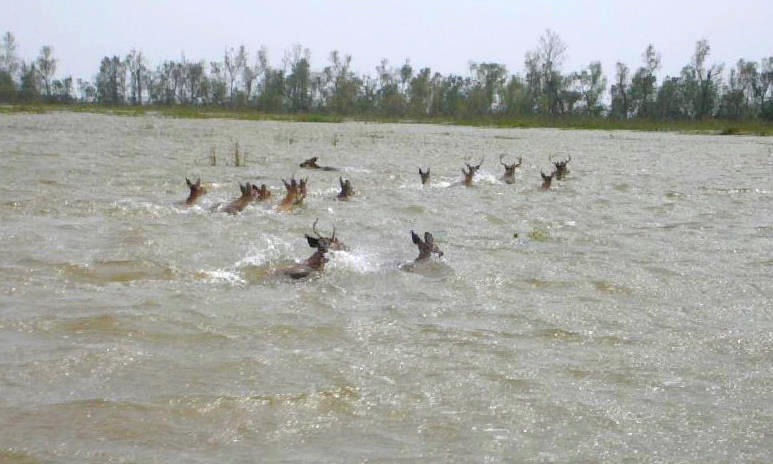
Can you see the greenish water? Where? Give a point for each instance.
(625, 315)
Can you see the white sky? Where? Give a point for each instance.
(443, 35)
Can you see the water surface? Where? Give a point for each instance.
(625, 315)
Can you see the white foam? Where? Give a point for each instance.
(223, 276)
(269, 248)
(356, 262)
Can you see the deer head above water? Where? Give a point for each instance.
(426, 246)
(561, 169)
(424, 176)
(249, 194)
(311, 163)
(547, 180)
(470, 173)
(296, 192)
(331, 243)
(315, 262)
(509, 176)
(346, 189)
(197, 191)
(263, 193)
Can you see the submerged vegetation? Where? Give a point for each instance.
(703, 97)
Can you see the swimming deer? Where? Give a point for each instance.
(315, 262)
(561, 169)
(332, 242)
(424, 177)
(546, 180)
(249, 194)
(197, 191)
(471, 170)
(311, 163)
(346, 189)
(509, 176)
(263, 193)
(426, 246)
(296, 192)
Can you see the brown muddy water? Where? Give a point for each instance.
(624, 316)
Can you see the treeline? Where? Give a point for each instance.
(702, 90)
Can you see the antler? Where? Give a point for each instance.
(314, 228)
(500, 160)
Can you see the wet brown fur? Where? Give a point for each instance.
(197, 191)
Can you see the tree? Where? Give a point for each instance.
(87, 91)
(420, 93)
(135, 63)
(551, 51)
(7, 88)
(643, 85)
(299, 81)
(406, 73)
(234, 64)
(707, 80)
(766, 86)
(591, 84)
(516, 98)
(489, 78)
(619, 93)
(47, 67)
(30, 86)
(543, 75)
(111, 81)
(9, 62)
(342, 85)
(218, 88)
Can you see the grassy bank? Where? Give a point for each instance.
(710, 126)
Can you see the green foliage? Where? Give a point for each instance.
(7, 88)
(543, 95)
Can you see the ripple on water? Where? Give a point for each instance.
(105, 272)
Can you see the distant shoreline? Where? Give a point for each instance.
(705, 127)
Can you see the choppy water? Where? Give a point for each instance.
(630, 319)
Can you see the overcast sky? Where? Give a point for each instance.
(444, 35)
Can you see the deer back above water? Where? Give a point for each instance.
(296, 192)
(249, 195)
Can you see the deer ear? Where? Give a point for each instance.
(416, 239)
(313, 241)
(188, 181)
